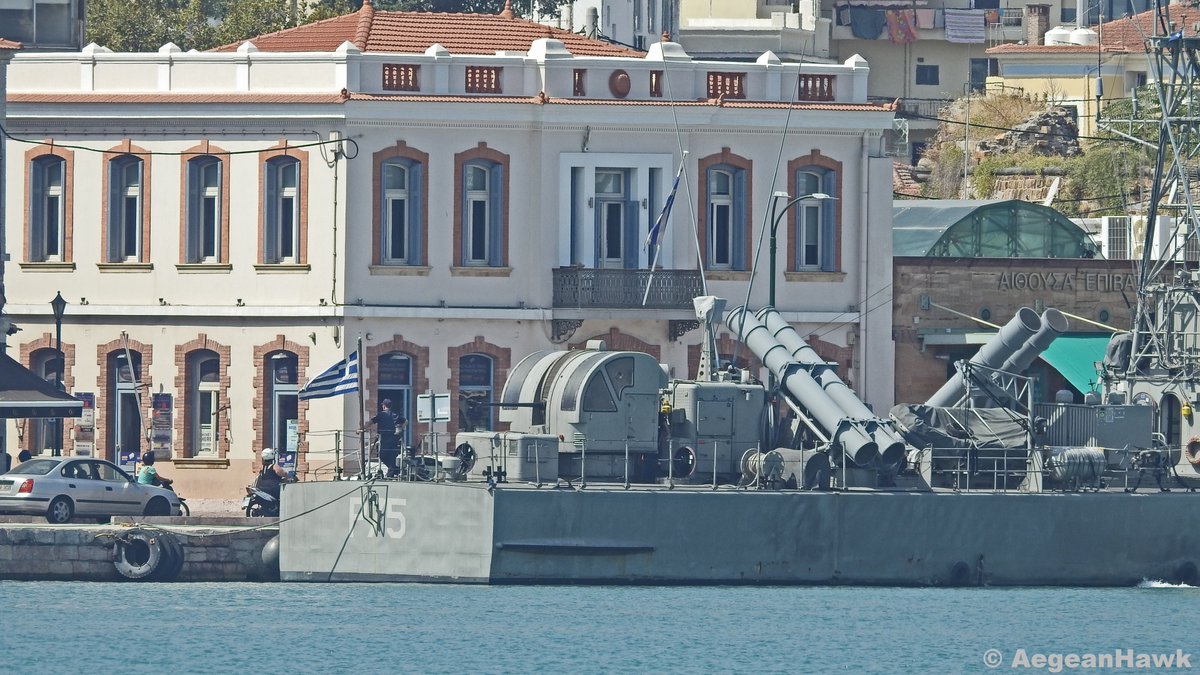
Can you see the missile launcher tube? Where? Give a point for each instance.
(798, 383)
(1012, 336)
(891, 445)
(1053, 325)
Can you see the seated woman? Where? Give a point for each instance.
(148, 475)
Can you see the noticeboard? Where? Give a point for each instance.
(437, 404)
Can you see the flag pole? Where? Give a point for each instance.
(659, 224)
(363, 452)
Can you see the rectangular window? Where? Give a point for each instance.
(577, 86)
(720, 214)
(400, 77)
(727, 85)
(656, 88)
(204, 210)
(397, 230)
(47, 214)
(481, 214)
(927, 74)
(483, 80)
(810, 235)
(399, 212)
(283, 211)
(125, 209)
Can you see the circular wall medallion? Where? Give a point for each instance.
(618, 83)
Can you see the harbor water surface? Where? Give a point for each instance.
(75, 627)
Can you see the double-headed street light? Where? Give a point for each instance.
(58, 305)
(775, 197)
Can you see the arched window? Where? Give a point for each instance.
(204, 206)
(124, 414)
(47, 208)
(125, 209)
(401, 212)
(203, 402)
(476, 392)
(810, 218)
(281, 231)
(46, 433)
(725, 190)
(282, 402)
(394, 383)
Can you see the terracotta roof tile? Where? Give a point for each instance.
(1014, 48)
(224, 98)
(414, 32)
(9, 44)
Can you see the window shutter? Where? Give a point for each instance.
(739, 220)
(271, 214)
(829, 262)
(498, 217)
(115, 210)
(416, 179)
(194, 199)
(37, 215)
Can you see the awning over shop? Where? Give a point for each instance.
(1075, 358)
(23, 394)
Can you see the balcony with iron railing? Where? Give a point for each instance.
(584, 288)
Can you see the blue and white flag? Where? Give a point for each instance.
(661, 223)
(340, 378)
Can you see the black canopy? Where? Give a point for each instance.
(23, 394)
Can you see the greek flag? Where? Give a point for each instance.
(340, 378)
(657, 228)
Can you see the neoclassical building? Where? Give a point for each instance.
(454, 191)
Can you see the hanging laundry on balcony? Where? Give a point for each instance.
(867, 23)
(965, 26)
(902, 26)
(925, 18)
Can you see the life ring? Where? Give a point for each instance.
(1191, 451)
(147, 556)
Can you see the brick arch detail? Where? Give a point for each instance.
(420, 383)
(726, 344)
(815, 160)
(728, 158)
(279, 344)
(68, 157)
(617, 341)
(126, 147)
(400, 150)
(104, 396)
(843, 356)
(501, 363)
(28, 351)
(184, 404)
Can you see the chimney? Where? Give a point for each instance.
(1037, 22)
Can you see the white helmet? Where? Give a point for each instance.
(268, 455)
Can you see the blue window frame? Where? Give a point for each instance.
(281, 231)
(47, 217)
(725, 195)
(204, 214)
(482, 214)
(400, 212)
(125, 181)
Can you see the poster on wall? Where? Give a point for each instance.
(85, 426)
(160, 426)
(287, 458)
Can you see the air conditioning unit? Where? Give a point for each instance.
(1124, 237)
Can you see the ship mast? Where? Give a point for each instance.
(1165, 349)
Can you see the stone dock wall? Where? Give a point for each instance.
(31, 551)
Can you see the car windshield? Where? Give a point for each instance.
(37, 467)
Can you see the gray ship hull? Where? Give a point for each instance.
(462, 533)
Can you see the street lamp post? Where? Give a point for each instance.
(58, 305)
(775, 197)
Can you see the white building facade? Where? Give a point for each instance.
(225, 226)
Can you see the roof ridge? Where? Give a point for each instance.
(366, 18)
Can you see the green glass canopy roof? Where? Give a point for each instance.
(951, 228)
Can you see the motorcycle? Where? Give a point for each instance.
(260, 503)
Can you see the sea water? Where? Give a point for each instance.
(77, 627)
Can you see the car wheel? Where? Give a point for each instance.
(158, 507)
(60, 510)
(254, 510)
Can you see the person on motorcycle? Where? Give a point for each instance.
(271, 475)
(148, 475)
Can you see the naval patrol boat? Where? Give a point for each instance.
(611, 472)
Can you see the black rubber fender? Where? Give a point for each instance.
(173, 558)
(139, 554)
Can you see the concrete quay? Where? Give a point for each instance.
(228, 549)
